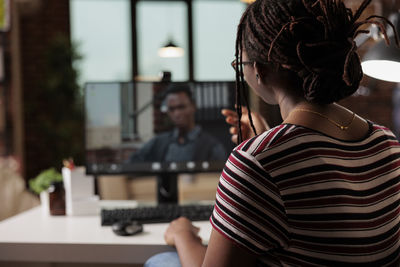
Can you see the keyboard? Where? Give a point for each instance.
(156, 214)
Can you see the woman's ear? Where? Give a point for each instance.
(259, 72)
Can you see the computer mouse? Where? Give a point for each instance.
(127, 228)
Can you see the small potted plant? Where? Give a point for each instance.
(41, 183)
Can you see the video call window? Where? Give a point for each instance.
(157, 126)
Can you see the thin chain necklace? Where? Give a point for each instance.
(340, 126)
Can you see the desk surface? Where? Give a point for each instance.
(34, 236)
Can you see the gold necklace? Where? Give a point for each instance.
(340, 126)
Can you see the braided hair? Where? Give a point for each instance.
(313, 39)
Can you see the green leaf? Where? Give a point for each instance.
(44, 180)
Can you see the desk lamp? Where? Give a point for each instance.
(382, 61)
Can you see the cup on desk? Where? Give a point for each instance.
(53, 199)
(57, 198)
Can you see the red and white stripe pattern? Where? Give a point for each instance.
(298, 197)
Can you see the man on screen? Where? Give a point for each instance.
(187, 141)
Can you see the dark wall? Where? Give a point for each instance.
(377, 105)
(38, 29)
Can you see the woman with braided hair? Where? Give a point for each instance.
(323, 187)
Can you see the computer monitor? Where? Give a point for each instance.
(134, 128)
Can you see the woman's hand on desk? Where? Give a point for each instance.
(181, 228)
(232, 118)
(182, 234)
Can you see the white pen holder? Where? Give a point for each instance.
(44, 202)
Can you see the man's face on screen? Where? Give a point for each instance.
(181, 110)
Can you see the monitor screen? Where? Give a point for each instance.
(157, 127)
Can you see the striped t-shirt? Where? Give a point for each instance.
(297, 197)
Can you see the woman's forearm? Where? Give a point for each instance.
(190, 249)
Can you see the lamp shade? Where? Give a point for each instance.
(382, 61)
(170, 50)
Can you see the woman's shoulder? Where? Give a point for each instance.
(285, 136)
(271, 138)
(375, 127)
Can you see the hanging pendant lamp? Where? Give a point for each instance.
(248, 1)
(170, 50)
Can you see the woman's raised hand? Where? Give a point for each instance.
(232, 119)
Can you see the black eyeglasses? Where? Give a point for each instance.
(234, 63)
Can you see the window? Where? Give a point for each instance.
(215, 24)
(157, 23)
(102, 31)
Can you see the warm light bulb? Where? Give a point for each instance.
(170, 51)
(248, 1)
(382, 69)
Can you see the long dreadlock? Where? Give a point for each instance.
(240, 84)
(314, 39)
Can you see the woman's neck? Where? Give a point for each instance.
(287, 104)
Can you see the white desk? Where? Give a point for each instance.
(35, 237)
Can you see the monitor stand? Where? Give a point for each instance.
(167, 188)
